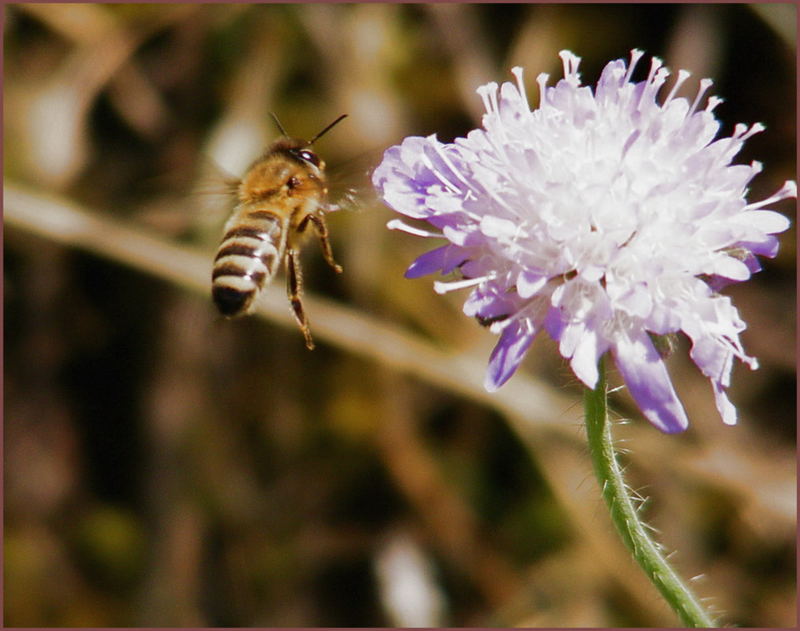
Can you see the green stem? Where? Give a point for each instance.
(625, 516)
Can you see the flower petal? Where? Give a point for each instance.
(768, 221)
(584, 360)
(768, 247)
(529, 283)
(729, 267)
(725, 408)
(648, 381)
(428, 263)
(508, 353)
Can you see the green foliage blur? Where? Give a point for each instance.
(165, 467)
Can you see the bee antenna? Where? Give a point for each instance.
(324, 131)
(278, 123)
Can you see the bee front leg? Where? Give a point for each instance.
(294, 288)
(322, 232)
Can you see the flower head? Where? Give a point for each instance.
(602, 217)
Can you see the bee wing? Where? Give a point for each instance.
(211, 200)
(349, 183)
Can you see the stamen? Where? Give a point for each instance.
(636, 55)
(704, 85)
(493, 97)
(682, 76)
(789, 189)
(713, 101)
(570, 62)
(483, 92)
(542, 81)
(398, 224)
(443, 287)
(756, 128)
(517, 72)
(452, 168)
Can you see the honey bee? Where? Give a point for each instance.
(282, 194)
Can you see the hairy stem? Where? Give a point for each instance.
(623, 511)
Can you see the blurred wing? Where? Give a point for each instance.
(210, 201)
(349, 184)
(194, 212)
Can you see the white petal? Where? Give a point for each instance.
(768, 221)
(729, 267)
(636, 301)
(529, 283)
(584, 360)
(496, 227)
(570, 338)
(726, 409)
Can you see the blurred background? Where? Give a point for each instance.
(165, 467)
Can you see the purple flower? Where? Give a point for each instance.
(602, 218)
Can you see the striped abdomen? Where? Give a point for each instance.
(247, 259)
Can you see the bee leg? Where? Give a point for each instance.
(294, 288)
(322, 231)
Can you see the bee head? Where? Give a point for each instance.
(289, 167)
(297, 151)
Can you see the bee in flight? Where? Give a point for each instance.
(283, 193)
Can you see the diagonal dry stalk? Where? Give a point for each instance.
(350, 330)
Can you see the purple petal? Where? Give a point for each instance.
(554, 323)
(718, 283)
(752, 262)
(428, 263)
(768, 247)
(648, 382)
(402, 180)
(490, 301)
(508, 353)
(445, 258)
(474, 268)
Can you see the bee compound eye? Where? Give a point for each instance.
(293, 182)
(309, 156)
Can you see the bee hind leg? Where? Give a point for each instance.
(321, 229)
(294, 289)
